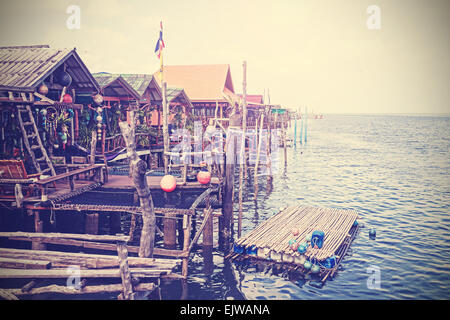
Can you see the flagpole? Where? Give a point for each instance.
(164, 108)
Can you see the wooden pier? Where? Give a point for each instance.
(38, 265)
(272, 240)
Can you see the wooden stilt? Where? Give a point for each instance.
(258, 151)
(170, 231)
(227, 200)
(122, 251)
(208, 232)
(187, 231)
(38, 227)
(91, 223)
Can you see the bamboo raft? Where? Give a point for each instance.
(270, 240)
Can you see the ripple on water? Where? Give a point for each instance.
(394, 170)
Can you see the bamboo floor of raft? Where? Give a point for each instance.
(271, 238)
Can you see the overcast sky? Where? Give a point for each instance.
(314, 53)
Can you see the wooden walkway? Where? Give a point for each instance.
(271, 239)
(44, 264)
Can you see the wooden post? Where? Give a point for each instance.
(76, 125)
(227, 200)
(258, 150)
(295, 131)
(91, 223)
(115, 223)
(170, 231)
(38, 227)
(165, 127)
(208, 232)
(268, 146)
(306, 124)
(139, 169)
(93, 146)
(243, 153)
(122, 252)
(301, 126)
(284, 124)
(187, 232)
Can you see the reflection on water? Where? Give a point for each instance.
(394, 170)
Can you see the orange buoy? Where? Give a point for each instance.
(168, 183)
(204, 177)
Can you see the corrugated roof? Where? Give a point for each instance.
(25, 67)
(115, 85)
(139, 82)
(200, 82)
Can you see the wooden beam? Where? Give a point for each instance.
(62, 273)
(103, 246)
(93, 261)
(50, 235)
(86, 290)
(24, 264)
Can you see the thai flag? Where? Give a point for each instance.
(160, 44)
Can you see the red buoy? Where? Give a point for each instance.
(67, 98)
(204, 177)
(168, 183)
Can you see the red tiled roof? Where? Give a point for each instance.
(200, 82)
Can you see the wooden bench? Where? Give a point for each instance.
(13, 175)
(98, 170)
(15, 169)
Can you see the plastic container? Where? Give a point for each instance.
(317, 239)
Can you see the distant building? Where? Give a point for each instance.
(205, 85)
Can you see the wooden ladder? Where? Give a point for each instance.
(33, 141)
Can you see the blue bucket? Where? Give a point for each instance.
(317, 239)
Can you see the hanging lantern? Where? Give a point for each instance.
(67, 98)
(43, 89)
(98, 99)
(44, 112)
(51, 114)
(64, 79)
(99, 118)
(99, 110)
(99, 125)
